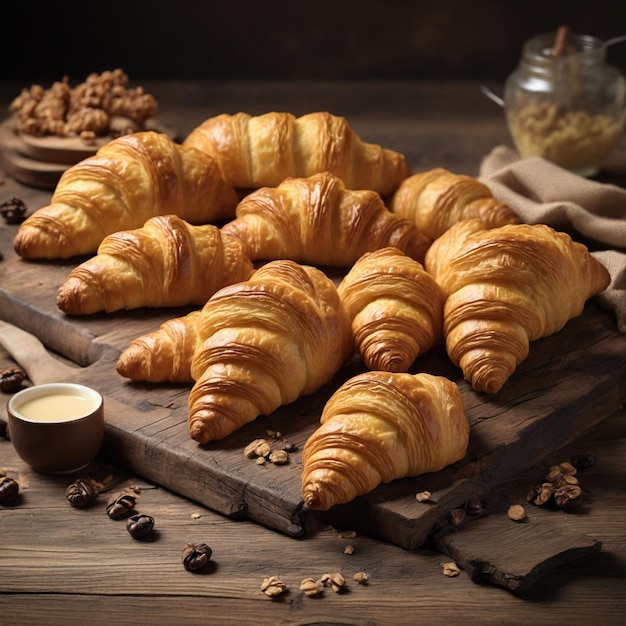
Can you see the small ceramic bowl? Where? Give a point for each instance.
(56, 427)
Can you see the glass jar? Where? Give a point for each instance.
(568, 108)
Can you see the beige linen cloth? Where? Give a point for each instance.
(541, 192)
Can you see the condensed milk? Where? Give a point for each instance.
(58, 407)
(56, 427)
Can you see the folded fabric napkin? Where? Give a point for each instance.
(542, 192)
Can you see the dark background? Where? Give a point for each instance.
(323, 40)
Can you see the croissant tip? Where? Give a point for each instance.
(316, 496)
(490, 387)
(312, 500)
(199, 433)
(389, 362)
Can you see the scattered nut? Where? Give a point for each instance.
(121, 505)
(541, 494)
(195, 556)
(82, 492)
(349, 549)
(450, 569)
(423, 496)
(273, 586)
(568, 497)
(335, 581)
(279, 457)
(257, 448)
(311, 587)
(517, 513)
(563, 473)
(9, 489)
(11, 379)
(140, 526)
(13, 210)
(361, 577)
(261, 450)
(560, 486)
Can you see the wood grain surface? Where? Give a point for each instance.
(580, 367)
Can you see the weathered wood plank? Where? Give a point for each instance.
(549, 399)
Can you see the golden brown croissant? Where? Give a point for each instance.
(316, 220)
(165, 263)
(438, 198)
(128, 181)
(164, 355)
(261, 151)
(378, 427)
(265, 342)
(396, 309)
(505, 287)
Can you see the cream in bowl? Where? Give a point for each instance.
(56, 427)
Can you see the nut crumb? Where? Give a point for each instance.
(361, 577)
(450, 569)
(517, 513)
(349, 549)
(423, 496)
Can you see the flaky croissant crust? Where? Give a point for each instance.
(396, 309)
(261, 151)
(318, 221)
(265, 342)
(128, 181)
(505, 287)
(165, 263)
(163, 355)
(436, 199)
(378, 427)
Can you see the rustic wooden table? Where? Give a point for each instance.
(62, 565)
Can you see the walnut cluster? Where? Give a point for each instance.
(102, 105)
(560, 485)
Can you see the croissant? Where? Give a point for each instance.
(317, 221)
(261, 151)
(378, 427)
(128, 181)
(164, 355)
(265, 342)
(165, 263)
(396, 309)
(438, 198)
(506, 287)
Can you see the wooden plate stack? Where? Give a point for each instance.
(40, 161)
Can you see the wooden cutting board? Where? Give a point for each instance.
(570, 382)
